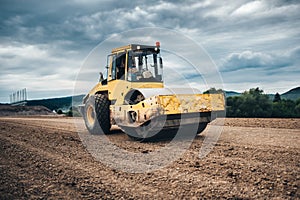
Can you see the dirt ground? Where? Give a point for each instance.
(253, 159)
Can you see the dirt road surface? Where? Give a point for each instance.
(253, 159)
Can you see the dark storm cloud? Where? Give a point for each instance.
(249, 59)
(85, 23)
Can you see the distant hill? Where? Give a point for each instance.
(63, 103)
(8, 110)
(232, 93)
(271, 96)
(292, 94)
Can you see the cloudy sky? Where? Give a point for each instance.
(43, 44)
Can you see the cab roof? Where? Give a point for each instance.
(132, 47)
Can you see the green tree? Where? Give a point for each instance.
(256, 104)
(277, 97)
(252, 103)
(233, 106)
(284, 108)
(297, 107)
(213, 91)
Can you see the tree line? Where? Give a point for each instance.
(254, 103)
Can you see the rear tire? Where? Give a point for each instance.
(97, 114)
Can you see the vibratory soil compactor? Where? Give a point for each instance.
(132, 96)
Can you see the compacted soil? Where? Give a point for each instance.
(44, 157)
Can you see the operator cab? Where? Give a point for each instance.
(135, 63)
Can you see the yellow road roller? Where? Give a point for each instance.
(132, 96)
